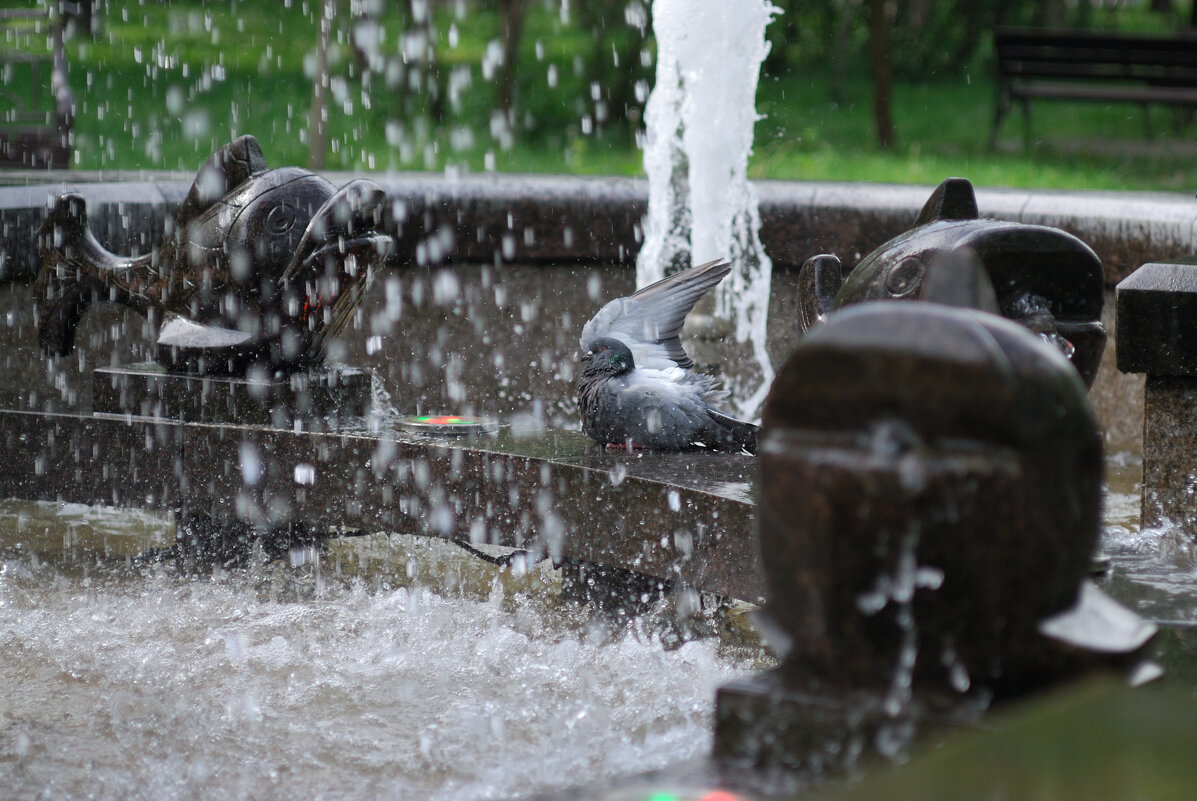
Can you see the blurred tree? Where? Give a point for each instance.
(881, 71)
(318, 120)
(415, 69)
(511, 27)
(619, 31)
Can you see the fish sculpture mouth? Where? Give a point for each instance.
(321, 288)
(335, 255)
(1044, 278)
(345, 225)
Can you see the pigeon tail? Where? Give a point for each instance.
(740, 434)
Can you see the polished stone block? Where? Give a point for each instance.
(1157, 320)
(1169, 445)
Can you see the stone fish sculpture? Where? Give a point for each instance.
(928, 506)
(1042, 277)
(263, 267)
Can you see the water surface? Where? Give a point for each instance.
(125, 680)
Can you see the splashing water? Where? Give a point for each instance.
(143, 681)
(699, 120)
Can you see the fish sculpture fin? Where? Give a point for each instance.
(76, 272)
(231, 166)
(958, 278)
(954, 199)
(819, 279)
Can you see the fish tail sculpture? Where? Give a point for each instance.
(76, 272)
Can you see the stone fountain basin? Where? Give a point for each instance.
(494, 339)
(489, 337)
(481, 337)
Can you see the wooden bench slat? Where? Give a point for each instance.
(1109, 74)
(1056, 64)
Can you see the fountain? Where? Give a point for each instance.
(686, 524)
(682, 527)
(929, 503)
(322, 660)
(1044, 278)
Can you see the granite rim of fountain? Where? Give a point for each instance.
(547, 220)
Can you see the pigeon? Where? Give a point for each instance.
(637, 389)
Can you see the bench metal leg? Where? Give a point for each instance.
(1001, 108)
(1026, 123)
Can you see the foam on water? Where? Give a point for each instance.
(123, 682)
(1153, 570)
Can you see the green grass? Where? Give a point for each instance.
(943, 129)
(164, 85)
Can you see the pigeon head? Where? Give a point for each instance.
(607, 356)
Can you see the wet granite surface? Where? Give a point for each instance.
(1169, 445)
(1157, 320)
(679, 518)
(310, 399)
(1157, 337)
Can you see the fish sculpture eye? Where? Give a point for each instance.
(280, 219)
(904, 278)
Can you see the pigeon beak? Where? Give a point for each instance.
(587, 356)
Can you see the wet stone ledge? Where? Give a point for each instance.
(312, 399)
(677, 517)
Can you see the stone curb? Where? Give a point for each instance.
(545, 219)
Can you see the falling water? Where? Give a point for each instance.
(700, 118)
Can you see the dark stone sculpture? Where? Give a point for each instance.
(263, 266)
(1044, 278)
(929, 504)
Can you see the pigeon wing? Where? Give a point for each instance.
(650, 320)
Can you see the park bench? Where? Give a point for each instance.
(1054, 64)
(36, 105)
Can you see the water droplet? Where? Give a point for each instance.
(305, 474)
(618, 473)
(1059, 343)
(958, 677)
(251, 464)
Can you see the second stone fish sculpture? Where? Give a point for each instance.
(637, 388)
(263, 267)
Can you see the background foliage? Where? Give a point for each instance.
(560, 85)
